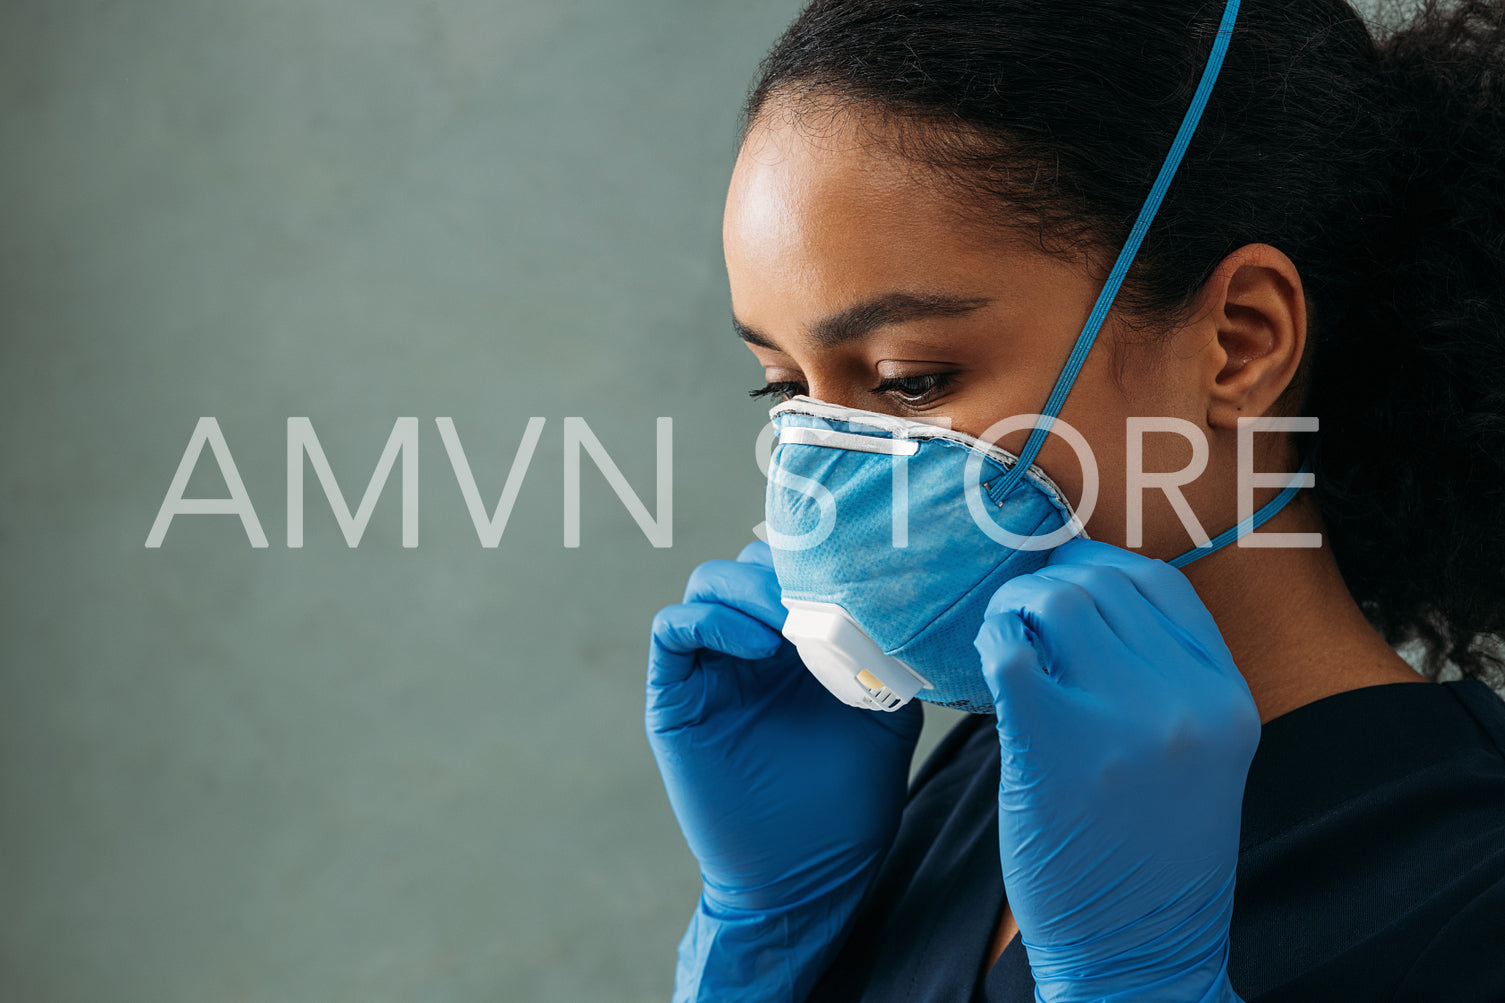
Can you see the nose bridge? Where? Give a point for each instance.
(843, 391)
(842, 375)
(806, 419)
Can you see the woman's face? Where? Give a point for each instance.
(853, 282)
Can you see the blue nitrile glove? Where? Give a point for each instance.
(788, 797)
(1126, 733)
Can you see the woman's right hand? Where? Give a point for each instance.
(785, 794)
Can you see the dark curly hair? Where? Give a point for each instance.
(1372, 156)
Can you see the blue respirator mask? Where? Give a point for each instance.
(890, 536)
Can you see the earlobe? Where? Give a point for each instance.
(1260, 313)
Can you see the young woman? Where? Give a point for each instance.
(929, 202)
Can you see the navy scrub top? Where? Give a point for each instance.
(1371, 862)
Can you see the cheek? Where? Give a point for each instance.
(1103, 418)
(1099, 458)
(1099, 408)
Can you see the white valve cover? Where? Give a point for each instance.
(846, 661)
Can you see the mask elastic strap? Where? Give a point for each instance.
(1131, 247)
(1250, 524)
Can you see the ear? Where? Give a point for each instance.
(1256, 302)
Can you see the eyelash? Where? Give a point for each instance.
(782, 388)
(892, 385)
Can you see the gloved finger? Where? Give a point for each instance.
(1132, 617)
(750, 588)
(1008, 651)
(1016, 674)
(757, 552)
(1166, 588)
(680, 631)
(1066, 624)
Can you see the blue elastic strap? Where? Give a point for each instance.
(1130, 248)
(1246, 527)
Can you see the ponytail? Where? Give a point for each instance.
(1410, 386)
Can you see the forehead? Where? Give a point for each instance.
(826, 154)
(801, 174)
(819, 202)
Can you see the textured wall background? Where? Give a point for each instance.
(382, 773)
(370, 774)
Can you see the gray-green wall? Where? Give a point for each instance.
(383, 773)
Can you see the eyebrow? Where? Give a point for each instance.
(857, 321)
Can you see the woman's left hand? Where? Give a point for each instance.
(1126, 733)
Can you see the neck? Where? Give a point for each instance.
(1289, 620)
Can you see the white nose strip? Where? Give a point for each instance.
(805, 435)
(846, 661)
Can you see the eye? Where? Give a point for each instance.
(783, 389)
(915, 389)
